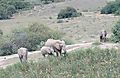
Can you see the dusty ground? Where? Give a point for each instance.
(12, 59)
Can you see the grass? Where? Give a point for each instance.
(84, 63)
(96, 43)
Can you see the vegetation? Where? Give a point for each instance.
(112, 8)
(38, 2)
(68, 13)
(8, 8)
(30, 38)
(116, 32)
(96, 43)
(88, 63)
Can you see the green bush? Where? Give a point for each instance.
(68, 13)
(51, 1)
(88, 63)
(30, 38)
(116, 32)
(68, 41)
(111, 8)
(8, 8)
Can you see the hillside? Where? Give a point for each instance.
(83, 28)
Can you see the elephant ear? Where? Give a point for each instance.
(57, 46)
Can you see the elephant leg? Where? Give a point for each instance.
(105, 39)
(43, 55)
(101, 38)
(26, 57)
(57, 52)
(21, 57)
(64, 52)
(60, 53)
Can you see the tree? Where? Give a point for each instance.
(111, 8)
(68, 13)
(9, 7)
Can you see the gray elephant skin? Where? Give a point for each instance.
(23, 54)
(58, 46)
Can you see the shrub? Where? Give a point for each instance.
(38, 33)
(68, 41)
(117, 12)
(30, 38)
(8, 8)
(111, 8)
(116, 32)
(51, 1)
(68, 13)
(6, 49)
(5, 46)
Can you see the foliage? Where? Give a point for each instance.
(116, 32)
(88, 63)
(51, 1)
(30, 38)
(68, 41)
(111, 8)
(8, 8)
(68, 13)
(40, 2)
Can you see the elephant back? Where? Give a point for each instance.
(22, 51)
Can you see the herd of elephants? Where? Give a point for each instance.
(54, 47)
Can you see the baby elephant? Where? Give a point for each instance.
(23, 54)
(45, 50)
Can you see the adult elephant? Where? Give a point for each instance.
(58, 46)
(23, 54)
(103, 35)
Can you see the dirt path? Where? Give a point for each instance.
(12, 59)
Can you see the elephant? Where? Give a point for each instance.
(46, 50)
(58, 46)
(23, 54)
(103, 35)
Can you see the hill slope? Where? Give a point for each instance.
(84, 28)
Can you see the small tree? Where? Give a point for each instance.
(111, 8)
(68, 13)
